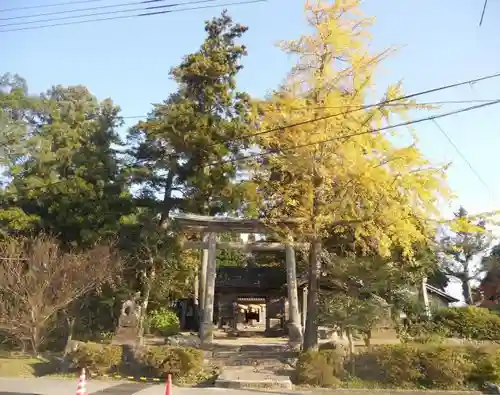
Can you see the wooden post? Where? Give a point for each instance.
(304, 306)
(294, 327)
(208, 310)
(425, 297)
(202, 283)
(196, 299)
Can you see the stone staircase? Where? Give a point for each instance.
(257, 366)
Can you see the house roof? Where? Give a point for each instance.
(274, 278)
(441, 294)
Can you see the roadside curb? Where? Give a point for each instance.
(141, 379)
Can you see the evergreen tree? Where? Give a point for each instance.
(181, 148)
(468, 241)
(65, 175)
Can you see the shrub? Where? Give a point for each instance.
(163, 321)
(445, 368)
(486, 365)
(158, 361)
(97, 358)
(469, 323)
(397, 364)
(403, 366)
(323, 368)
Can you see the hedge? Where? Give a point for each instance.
(153, 362)
(468, 323)
(402, 366)
(178, 361)
(97, 359)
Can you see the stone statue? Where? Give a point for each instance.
(131, 312)
(128, 323)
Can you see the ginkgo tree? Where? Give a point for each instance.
(331, 170)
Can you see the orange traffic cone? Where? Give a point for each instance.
(81, 388)
(168, 385)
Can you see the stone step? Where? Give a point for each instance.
(239, 378)
(251, 362)
(256, 354)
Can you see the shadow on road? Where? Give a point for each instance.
(16, 393)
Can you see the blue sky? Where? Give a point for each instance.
(128, 60)
(441, 43)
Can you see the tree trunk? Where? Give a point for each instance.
(70, 322)
(467, 291)
(35, 334)
(311, 332)
(294, 326)
(167, 200)
(146, 287)
(350, 340)
(35, 340)
(367, 337)
(206, 335)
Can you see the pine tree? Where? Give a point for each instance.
(469, 239)
(180, 149)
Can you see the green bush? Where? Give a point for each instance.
(486, 365)
(159, 361)
(403, 366)
(397, 365)
(98, 359)
(163, 321)
(469, 323)
(323, 368)
(445, 368)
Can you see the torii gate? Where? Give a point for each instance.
(209, 227)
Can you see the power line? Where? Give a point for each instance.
(31, 7)
(114, 12)
(361, 108)
(482, 13)
(358, 107)
(459, 152)
(347, 136)
(86, 9)
(134, 15)
(433, 90)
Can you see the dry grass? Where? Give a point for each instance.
(20, 367)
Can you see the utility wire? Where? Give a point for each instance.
(88, 9)
(416, 94)
(134, 15)
(482, 13)
(459, 152)
(114, 12)
(347, 136)
(379, 104)
(431, 103)
(31, 7)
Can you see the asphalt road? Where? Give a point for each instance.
(45, 386)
